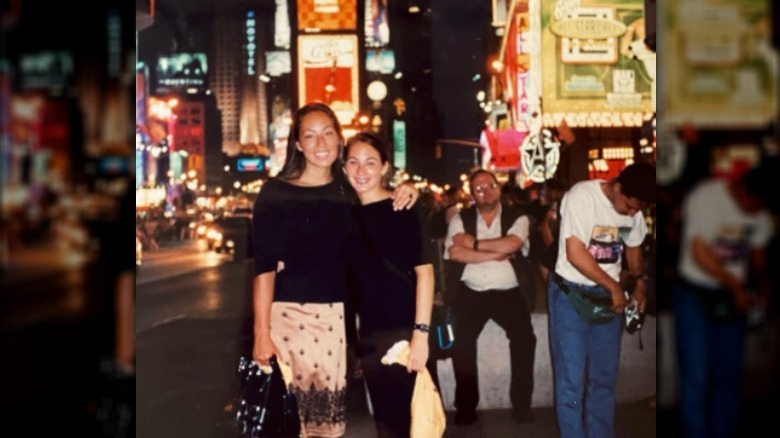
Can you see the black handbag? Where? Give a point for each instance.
(267, 408)
(442, 336)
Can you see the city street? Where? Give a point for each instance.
(193, 324)
(56, 328)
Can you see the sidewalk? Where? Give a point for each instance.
(188, 387)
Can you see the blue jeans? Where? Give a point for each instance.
(710, 358)
(577, 347)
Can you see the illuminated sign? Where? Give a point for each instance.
(251, 47)
(282, 25)
(588, 62)
(523, 96)
(719, 80)
(113, 165)
(250, 164)
(380, 61)
(277, 63)
(499, 13)
(672, 156)
(114, 30)
(377, 28)
(539, 157)
(140, 104)
(279, 129)
(181, 71)
(591, 38)
(399, 144)
(327, 15)
(328, 73)
(46, 70)
(598, 26)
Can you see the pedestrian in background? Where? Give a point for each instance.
(392, 257)
(484, 242)
(726, 228)
(601, 223)
(301, 222)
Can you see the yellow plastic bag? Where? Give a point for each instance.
(428, 418)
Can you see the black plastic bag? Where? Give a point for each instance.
(267, 408)
(115, 413)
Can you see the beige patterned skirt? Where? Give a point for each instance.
(311, 339)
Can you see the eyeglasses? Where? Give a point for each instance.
(482, 188)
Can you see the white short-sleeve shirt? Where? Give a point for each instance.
(588, 215)
(490, 275)
(709, 212)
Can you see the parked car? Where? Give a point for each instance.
(231, 235)
(242, 211)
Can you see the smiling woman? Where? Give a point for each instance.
(300, 226)
(393, 262)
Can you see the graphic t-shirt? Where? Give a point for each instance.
(588, 215)
(710, 213)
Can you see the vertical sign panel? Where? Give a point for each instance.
(328, 73)
(399, 144)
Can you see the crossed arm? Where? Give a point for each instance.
(499, 248)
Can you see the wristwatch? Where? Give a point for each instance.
(425, 328)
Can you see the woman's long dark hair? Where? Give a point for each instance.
(295, 162)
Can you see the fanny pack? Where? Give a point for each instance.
(717, 303)
(592, 303)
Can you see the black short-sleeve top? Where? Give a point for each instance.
(383, 254)
(306, 229)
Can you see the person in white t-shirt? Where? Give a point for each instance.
(601, 224)
(725, 230)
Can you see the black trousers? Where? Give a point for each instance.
(390, 387)
(509, 310)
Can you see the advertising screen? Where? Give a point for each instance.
(328, 73)
(181, 71)
(277, 63)
(46, 70)
(380, 61)
(589, 58)
(255, 164)
(140, 105)
(718, 78)
(327, 15)
(113, 165)
(377, 27)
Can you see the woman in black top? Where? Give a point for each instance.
(300, 226)
(394, 269)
